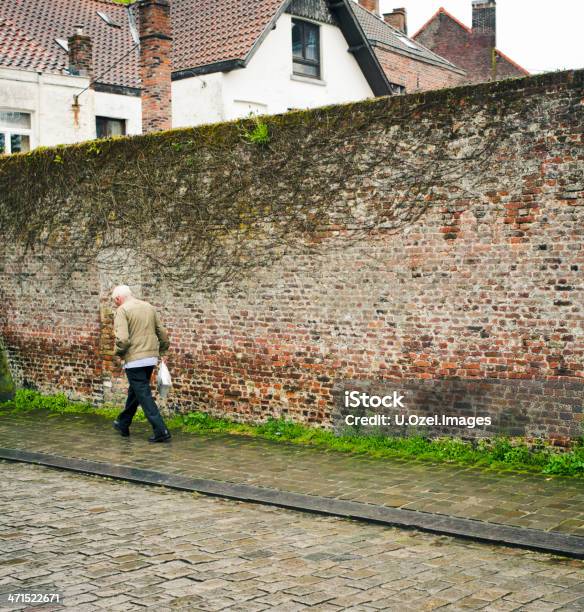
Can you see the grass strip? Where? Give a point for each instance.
(500, 453)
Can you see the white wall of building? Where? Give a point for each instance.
(267, 85)
(198, 100)
(116, 106)
(49, 99)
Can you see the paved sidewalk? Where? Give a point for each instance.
(108, 545)
(530, 501)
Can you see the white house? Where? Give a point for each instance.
(71, 71)
(272, 82)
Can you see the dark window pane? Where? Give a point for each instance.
(19, 143)
(101, 127)
(105, 127)
(311, 44)
(297, 40)
(2, 144)
(306, 49)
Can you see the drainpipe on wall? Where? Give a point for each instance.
(37, 119)
(80, 63)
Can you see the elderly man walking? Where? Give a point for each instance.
(140, 339)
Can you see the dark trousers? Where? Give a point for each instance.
(139, 393)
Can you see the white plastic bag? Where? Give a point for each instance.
(163, 381)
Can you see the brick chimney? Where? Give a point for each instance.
(398, 19)
(80, 53)
(370, 5)
(155, 64)
(484, 20)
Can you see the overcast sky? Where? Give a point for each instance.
(540, 35)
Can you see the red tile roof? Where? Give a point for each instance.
(209, 31)
(45, 20)
(17, 50)
(204, 32)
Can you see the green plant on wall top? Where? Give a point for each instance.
(259, 134)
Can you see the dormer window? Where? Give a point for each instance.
(408, 43)
(108, 19)
(62, 42)
(305, 49)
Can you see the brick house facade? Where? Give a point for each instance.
(414, 75)
(472, 49)
(407, 64)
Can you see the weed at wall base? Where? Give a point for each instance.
(497, 454)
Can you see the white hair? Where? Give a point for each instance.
(122, 291)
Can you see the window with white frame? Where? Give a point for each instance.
(15, 132)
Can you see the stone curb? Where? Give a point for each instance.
(534, 539)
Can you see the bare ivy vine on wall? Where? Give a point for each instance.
(205, 206)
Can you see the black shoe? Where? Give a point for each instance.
(124, 432)
(164, 438)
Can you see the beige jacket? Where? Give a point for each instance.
(138, 331)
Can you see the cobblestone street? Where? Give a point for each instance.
(104, 544)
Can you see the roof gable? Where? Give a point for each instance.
(436, 15)
(506, 58)
(359, 45)
(431, 32)
(312, 9)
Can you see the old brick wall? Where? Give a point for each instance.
(52, 333)
(475, 308)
